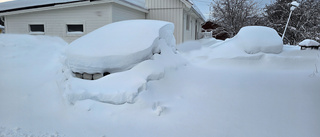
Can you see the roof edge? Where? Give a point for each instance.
(67, 5)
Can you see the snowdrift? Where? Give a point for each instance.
(107, 50)
(255, 39)
(274, 95)
(251, 41)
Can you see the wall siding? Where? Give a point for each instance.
(168, 10)
(120, 13)
(91, 16)
(170, 15)
(159, 4)
(195, 26)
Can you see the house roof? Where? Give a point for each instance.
(190, 4)
(18, 5)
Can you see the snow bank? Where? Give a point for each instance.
(189, 46)
(309, 42)
(117, 46)
(108, 50)
(254, 39)
(224, 100)
(250, 42)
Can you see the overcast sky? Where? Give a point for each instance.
(203, 5)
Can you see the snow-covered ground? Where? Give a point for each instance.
(209, 88)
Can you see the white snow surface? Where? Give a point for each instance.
(209, 88)
(118, 46)
(110, 51)
(309, 42)
(295, 3)
(254, 39)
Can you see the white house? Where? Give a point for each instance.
(71, 19)
(183, 13)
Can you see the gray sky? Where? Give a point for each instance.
(203, 5)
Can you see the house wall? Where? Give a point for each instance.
(168, 10)
(120, 13)
(91, 16)
(195, 26)
(55, 21)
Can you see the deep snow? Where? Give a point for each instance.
(218, 90)
(102, 51)
(132, 61)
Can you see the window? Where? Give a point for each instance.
(188, 22)
(36, 28)
(75, 27)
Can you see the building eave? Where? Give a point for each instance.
(187, 3)
(68, 5)
(190, 6)
(198, 14)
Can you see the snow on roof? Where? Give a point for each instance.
(199, 12)
(196, 9)
(30, 3)
(16, 4)
(309, 42)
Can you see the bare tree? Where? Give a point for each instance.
(234, 14)
(304, 22)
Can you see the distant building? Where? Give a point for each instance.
(216, 30)
(71, 19)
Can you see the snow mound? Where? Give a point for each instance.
(255, 39)
(117, 46)
(189, 46)
(111, 51)
(309, 42)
